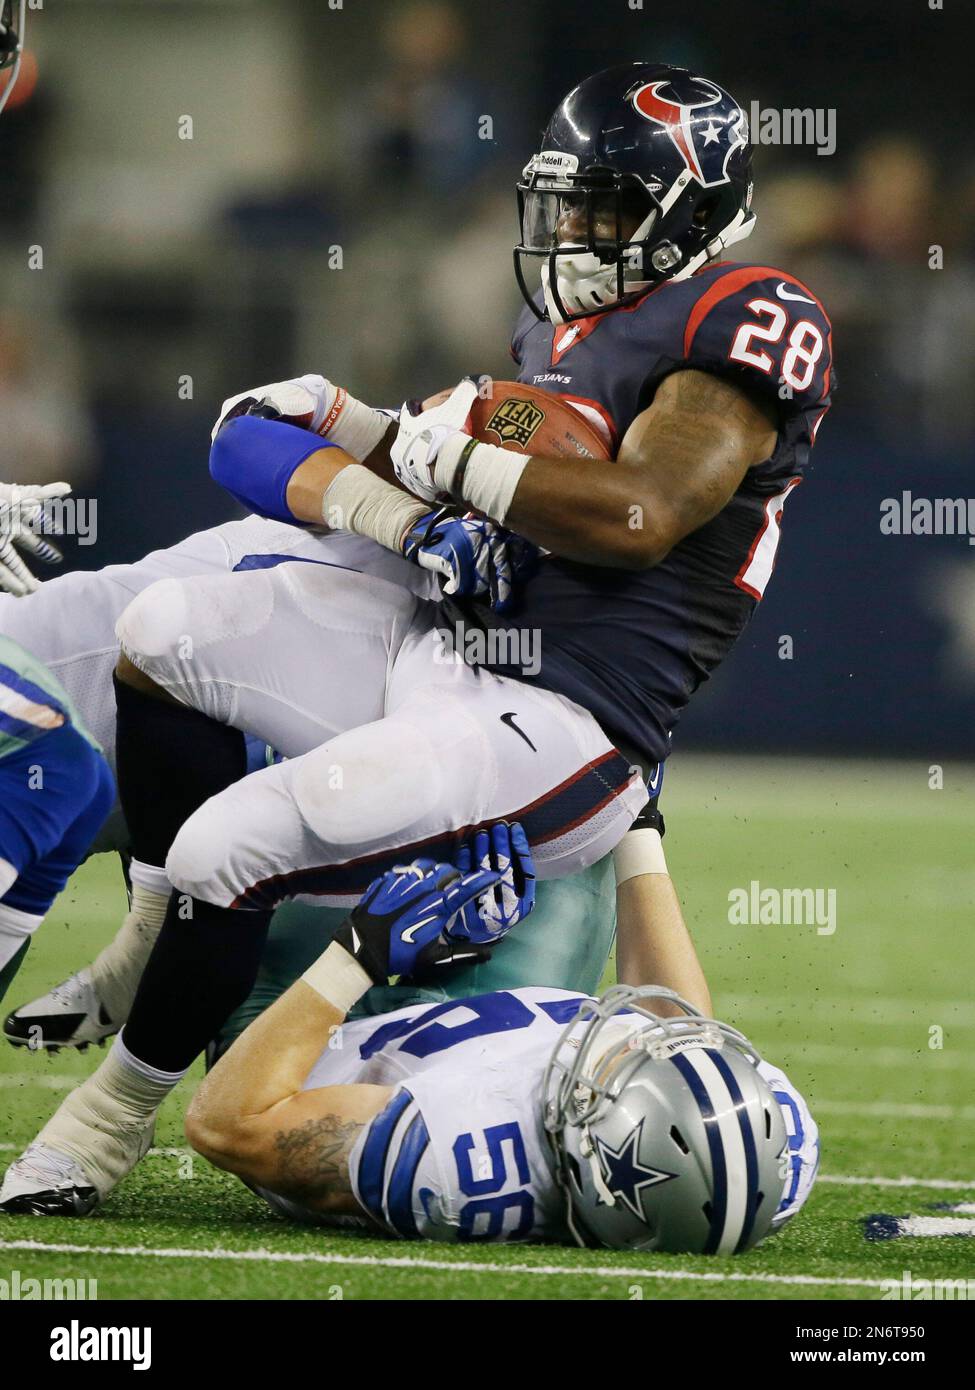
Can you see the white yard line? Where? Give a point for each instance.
(419, 1262)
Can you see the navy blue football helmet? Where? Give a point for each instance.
(644, 175)
(12, 17)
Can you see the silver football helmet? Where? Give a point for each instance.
(666, 1136)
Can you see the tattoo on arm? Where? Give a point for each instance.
(313, 1159)
(694, 390)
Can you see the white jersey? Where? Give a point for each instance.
(460, 1152)
(69, 623)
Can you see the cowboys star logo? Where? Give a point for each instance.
(705, 139)
(623, 1172)
(515, 421)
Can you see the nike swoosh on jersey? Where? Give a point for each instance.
(783, 293)
(509, 719)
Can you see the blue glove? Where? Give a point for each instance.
(475, 556)
(402, 921)
(503, 850)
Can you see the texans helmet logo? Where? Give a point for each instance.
(705, 138)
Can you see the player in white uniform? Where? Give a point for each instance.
(476, 1119)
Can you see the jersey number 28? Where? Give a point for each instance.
(804, 348)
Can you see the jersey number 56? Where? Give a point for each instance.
(483, 1218)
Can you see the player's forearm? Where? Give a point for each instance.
(615, 520)
(270, 1061)
(310, 482)
(266, 1066)
(653, 945)
(287, 474)
(313, 478)
(378, 460)
(676, 469)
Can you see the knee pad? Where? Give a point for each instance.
(198, 862)
(375, 784)
(173, 619)
(154, 623)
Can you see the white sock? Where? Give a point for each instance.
(106, 1123)
(140, 1080)
(116, 972)
(16, 927)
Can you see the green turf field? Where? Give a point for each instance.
(849, 1014)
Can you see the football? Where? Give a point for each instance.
(528, 420)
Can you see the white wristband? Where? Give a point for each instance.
(338, 978)
(639, 852)
(354, 427)
(489, 479)
(359, 501)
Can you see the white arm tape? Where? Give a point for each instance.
(338, 978)
(490, 478)
(359, 501)
(639, 852)
(354, 427)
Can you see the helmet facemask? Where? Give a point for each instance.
(631, 234)
(589, 233)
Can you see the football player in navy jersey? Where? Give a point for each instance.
(713, 377)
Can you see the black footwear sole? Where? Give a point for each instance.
(78, 1201)
(46, 1034)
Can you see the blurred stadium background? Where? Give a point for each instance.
(179, 270)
